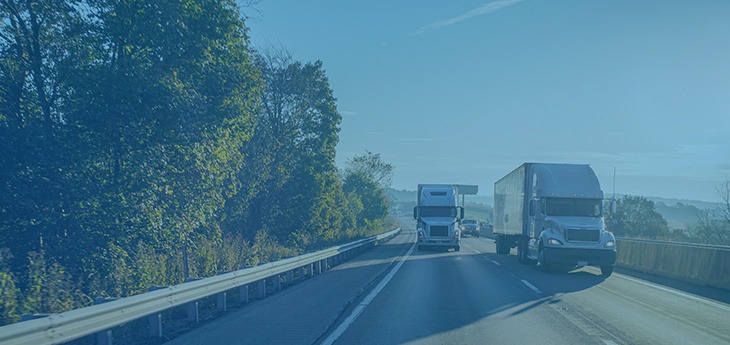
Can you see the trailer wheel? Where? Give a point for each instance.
(606, 271)
(501, 247)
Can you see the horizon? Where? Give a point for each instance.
(466, 92)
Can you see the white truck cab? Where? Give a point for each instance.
(438, 215)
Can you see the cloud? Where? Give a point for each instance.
(485, 9)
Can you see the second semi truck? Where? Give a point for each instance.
(438, 215)
(553, 214)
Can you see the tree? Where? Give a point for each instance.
(714, 225)
(636, 216)
(129, 130)
(292, 183)
(372, 167)
(375, 204)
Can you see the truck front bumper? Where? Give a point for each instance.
(439, 242)
(580, 256)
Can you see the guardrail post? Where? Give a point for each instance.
(193, 307)
(243, 293)
(300, 273)
(155, 320)
(290, 277)
(277, 282)
(193, 312)
(104, 337)
(220, 301)
(155, 325)
(261, 288)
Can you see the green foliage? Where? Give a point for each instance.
(8, 299)
(8, 290)
(372, 166)
(636, 217)
(375, 204)
(142, 129)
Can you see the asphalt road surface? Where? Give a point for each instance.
(395, 294)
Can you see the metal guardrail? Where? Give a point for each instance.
(77, 323)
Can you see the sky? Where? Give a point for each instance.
(465, 91)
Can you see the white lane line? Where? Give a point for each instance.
(494, 262)
(366, 301)
(532, 287)
(608, 342)
(675, 292)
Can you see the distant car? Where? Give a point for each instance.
(470, 227)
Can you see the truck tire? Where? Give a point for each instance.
(501, 246)
(606, 271)
(522, 252)
(457, 248)
(541, 262)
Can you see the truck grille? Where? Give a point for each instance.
(440, 231)
(583, 235)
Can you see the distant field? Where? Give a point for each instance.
(479, 212)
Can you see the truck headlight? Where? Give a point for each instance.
(554, 242)
(610, 244)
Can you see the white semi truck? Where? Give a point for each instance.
(553, 214)
(438, 215)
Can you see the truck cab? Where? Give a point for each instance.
(553, 214)
(437, 216)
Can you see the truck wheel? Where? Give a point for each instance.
(522, 252)
(477, 235)
(457, 248)
(606, 271)
(541, 262)
(500, 246)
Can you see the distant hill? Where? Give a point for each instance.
(680, 213)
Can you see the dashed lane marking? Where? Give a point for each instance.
(532, 287)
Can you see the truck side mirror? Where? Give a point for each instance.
(461, 213)
(415, 212)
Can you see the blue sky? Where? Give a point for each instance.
(465, 91)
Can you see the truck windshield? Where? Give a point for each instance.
(438, 211)
(573, 207)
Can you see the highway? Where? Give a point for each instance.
(394, 294)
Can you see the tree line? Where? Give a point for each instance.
(146, 141)
(638, 217)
